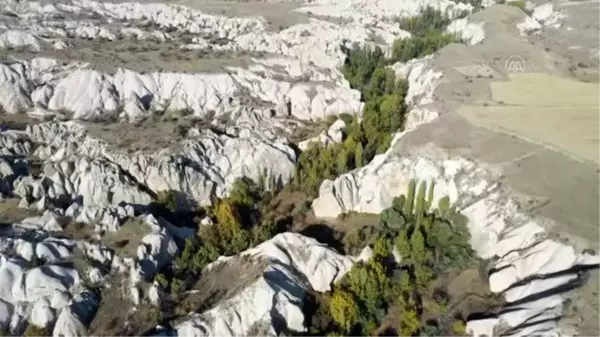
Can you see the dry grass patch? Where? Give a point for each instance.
(469, 293)
(128, 238)
(141, 56)
(116, 315)
(222, 282)
(16, 121)
(78, 231)
(10, 212)
(149, 135)
(557, 112)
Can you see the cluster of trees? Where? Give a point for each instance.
(237, 224)
(384, 111)
(366, 70)
(429, 244)
(428, 35)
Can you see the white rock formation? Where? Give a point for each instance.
(34, 280)
(17, 39)
(496, 226)
(80, 167)
(470, 32)
(380, 13)
(24, 289)
(294, 264)
(333, 135)
(542, 17)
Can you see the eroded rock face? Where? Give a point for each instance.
(298, 78)
(528, 264)
(309, 52)
(43, 278)
(293, 264)
(79, 167)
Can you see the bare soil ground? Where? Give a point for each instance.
(290, 209)
(124, 241)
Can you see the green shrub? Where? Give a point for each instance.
(428, 245)
(383, 114)
(35, 331)
(428, 21)
(244, 193)
(360, 65)
(404, 50)
(162, 280)
(475, 3)
(344, 311)
(521, 4)
(167, 200)
(302, 208)
(238, 226)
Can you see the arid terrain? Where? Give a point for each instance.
(285, 168)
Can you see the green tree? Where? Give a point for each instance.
(382, 249)
(430, 195)
(370, 284)
(343, 310)
(430, 330)
(360, 64)
(417, 246)
(430, 20)
(230, 232)
(342, 161)
(444, 206)
(410, 322)
(382, 82)
(392, 219)
(244, 193)
(403, 245)
(420, 204)
(410, 198)
(358, 155)
(391, 112)
(168, 200)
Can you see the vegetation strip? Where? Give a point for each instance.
(429, 243)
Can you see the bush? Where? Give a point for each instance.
(475, 3)
(360, 65)
(521, 4)
(384, 114)
(428, 35)
(428, 21)
(459, 327)
(344, 311)
(429, 246)
(244, 193)
(167, 200)
(35, 331)
(404, 50)
(237, 227)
